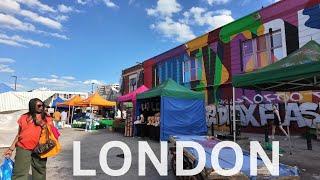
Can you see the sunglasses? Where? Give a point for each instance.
(39, 105)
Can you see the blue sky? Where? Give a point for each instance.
(67, 44)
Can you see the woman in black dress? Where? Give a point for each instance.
(277, 121)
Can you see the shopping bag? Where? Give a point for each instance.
(57, 148)
(6, 169)
(55, 132)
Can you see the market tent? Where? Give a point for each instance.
(132, 96)
(298, 71)
(170, 88)
(12, 106)
(56, 101)
(182, 110)
(96, 100)
(74, 101)
(5, 88)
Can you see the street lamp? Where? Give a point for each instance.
(15, 82)
(92, 87)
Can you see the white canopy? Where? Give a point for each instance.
(14, 101)
(12, 106)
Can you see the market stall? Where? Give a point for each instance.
(96, 101)
(131, 97)
(172, 109)
(71, 103)
(299, 71)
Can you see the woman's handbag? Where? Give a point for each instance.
(56, 149)
(49, 144)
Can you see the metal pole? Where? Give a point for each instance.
(15, 82)
(234, 113)
(288, 126)
(92, 87)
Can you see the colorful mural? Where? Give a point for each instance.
(208, 62)
(309, 24)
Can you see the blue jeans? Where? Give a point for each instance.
(88, 124)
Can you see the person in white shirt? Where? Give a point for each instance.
(64, 118)
(89, 120)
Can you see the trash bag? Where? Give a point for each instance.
(6, 169)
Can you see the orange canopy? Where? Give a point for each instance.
(74, 101)
(97, 100)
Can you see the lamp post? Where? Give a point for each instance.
(92, 87)
(15, 82)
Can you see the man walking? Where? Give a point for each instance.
(64, 118)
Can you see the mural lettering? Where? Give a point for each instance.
(305, 114)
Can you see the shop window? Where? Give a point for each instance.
(262, 51)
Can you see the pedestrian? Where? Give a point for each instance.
(89, 120)
(57, 119)
(64, 118)
(27, 139)
(277, 122)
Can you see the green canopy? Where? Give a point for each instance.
(170, 88)
(297, 72)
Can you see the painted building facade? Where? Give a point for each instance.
(208, 62)
(131, 78)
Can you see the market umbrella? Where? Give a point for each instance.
(74, 101)
(96, 100)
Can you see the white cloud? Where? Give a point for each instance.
(37, 4)
(68, 77)
(7, 60)
(12, 7)
(57, 35)
(9, 6)
(42, 20)
(10, 22)
(97, 82)
(66, 9)
(61, 18)
(54, 76)
(110, 4)
(11, 43)
(223, 12)
(52, 82)
(19, 39)
(174, 30)
(212, 19)
(5, 69)
(165, 8)
(82, 2)
(218, 2)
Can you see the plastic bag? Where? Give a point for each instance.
(6, 169)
